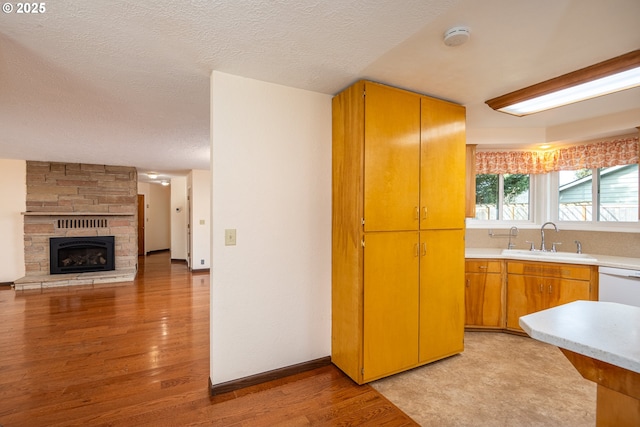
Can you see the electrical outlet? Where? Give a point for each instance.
(230, 237)
(201, 262)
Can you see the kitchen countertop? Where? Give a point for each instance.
(605, 331)
(600, 260)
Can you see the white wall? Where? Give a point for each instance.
(13, 187)
(179, 218)
(271, 181)
(200, 183)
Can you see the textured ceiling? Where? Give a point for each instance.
(127, 82)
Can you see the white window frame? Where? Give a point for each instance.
(497, 223)
(543, 199)
(593, 224)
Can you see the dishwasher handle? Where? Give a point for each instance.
(620, 272)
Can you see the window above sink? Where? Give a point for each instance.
(594, 188)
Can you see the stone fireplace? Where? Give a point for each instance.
(72, 200)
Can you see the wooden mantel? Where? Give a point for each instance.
(76, 214)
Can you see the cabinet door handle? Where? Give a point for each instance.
(417, 212)
(550, 288)
(541, 288)
(482, 267)
(424, 212)
(416, 249)
(467, 283)
(424, 249)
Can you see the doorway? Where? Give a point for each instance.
(141, 220)
(189, 209)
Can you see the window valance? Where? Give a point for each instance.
(598, 155)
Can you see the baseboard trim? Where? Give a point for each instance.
(263, 377)
(200, 270)
(178, 261)
(157, 251)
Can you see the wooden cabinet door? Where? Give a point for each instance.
(525, 295)
(391, 159)
(470, 181)
(483, 299)
(441, 293)
(563, 291)
(390, 303)
(442, 166)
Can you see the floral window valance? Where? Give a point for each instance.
(597, 155)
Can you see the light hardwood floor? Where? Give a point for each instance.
(138, 355)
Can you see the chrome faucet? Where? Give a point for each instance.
(513, 232)
(542, 245)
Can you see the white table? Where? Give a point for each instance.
(602, 341)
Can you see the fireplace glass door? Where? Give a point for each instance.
(81, 254)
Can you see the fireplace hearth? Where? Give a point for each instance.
(81, 254)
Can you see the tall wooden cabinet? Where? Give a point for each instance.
(398, 230)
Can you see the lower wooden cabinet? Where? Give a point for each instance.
(484, 294)
(391, 298)
(410, 304)
(537, 286)
(499, 292)
(441, 294)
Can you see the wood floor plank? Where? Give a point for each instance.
(138, 355)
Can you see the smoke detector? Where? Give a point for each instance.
(456, 36)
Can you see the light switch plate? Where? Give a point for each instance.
(230, 237)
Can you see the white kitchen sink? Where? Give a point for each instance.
(548, 256)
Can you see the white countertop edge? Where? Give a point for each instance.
(600, 260)
(591, 328)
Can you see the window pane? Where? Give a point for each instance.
(575, 195)
(487, 196)
(515, 206)
(618, 193)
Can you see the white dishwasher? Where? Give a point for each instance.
(619, 285)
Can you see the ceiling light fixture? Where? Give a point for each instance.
(456, 36)
(613, 75)
(164, 183)
(152, 175)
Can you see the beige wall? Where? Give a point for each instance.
(13, 186)
(593, 242)
(200, 183)
(271, 181)
(178, 218)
